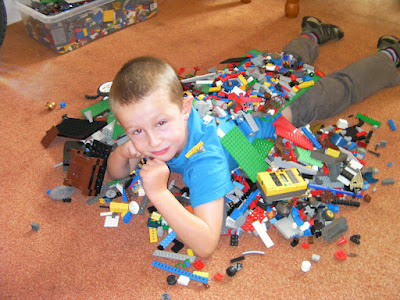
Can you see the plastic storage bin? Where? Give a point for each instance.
(78, 26)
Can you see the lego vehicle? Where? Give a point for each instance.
(3, 22)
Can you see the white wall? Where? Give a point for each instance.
(12, 12)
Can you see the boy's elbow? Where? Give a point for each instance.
(207, 250)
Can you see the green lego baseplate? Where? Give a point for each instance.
(244, 153)
(304, 156)
(97, 108)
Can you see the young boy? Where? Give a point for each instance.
(147, 98)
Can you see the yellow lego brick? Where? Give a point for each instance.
(267, 84)
(190, 252)
(119, 206)
(139, 7)
(242, 79)
(306, 84)
(215, 89)
(108, 15)
(153, 235)
(85, 33)
(152, 14)
(295, 89)
(101, 200)
(155, 216)
(195, 149)
(281, 181)
(332, 152)
(202, 274)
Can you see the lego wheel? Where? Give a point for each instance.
(104, 89)
(3, 22)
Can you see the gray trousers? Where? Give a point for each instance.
(333, 93)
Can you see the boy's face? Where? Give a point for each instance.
(156, 126)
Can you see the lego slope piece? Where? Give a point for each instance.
(287, 130)
(244, 153)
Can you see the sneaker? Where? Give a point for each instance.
(390, 41)
(324, 32)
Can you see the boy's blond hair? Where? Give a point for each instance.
(142, 76)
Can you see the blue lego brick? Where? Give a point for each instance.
(174, 270)
(311, 137)
(334, 208)
(251, 197)
(124, 196)
(127, 217)
(296, 216)
(168, 239)
(237, 212)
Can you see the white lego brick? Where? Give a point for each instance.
(111, 221)
(183, 280)
(263, 234)
(207, 119)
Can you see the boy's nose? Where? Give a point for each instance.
(154, 139)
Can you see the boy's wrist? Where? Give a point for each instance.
(157, 196)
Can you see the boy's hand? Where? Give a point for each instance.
(129, 151)
(155, 175)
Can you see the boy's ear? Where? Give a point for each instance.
(187, 106)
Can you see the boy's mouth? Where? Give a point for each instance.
(161, 152)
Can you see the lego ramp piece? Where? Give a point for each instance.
(244, 153)
(288, 131)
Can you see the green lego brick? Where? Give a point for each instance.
(244, 153)
(304, 155)
(263, 146)
(368, 119)
(97, 108)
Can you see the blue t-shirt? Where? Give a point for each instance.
(208, 174)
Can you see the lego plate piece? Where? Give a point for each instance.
(111, 221)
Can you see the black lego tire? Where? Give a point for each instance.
(3, 22)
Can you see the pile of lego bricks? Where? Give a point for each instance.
(74, 30)
(54, 7)
(295, 182)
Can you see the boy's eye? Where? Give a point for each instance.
(138, 131)
(161, 123)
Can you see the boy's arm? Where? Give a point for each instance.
(199, 231)
(123, 160)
